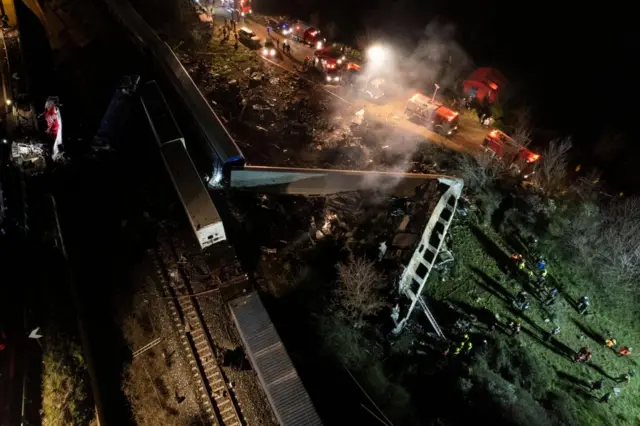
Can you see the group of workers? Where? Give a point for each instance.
(600, 384)
(464, 345)
(548, 295)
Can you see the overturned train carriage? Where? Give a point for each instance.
(194, 196)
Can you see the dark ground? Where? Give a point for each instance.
(93, 196)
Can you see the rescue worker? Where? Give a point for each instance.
(625, 351)
(542, 275)
(552, 296)
(598, 385)
(581, 356)
(515, 327)
(469, 346)
(522, 297)
(626, 377)
(583, 305)
(610, 342)
(520, 262)
(542, 264)
(554, 331)
(606, 398)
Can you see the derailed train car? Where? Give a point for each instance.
(201, 212)
(218, 146)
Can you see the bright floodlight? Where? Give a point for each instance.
(377, 54)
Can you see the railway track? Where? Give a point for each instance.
(216, 396)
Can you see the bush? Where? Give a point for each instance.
(66, 397)
(347, 343)
(480, 172)
(550, 175)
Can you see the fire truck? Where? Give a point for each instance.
(244, 7)
(305, 33)
(330, 62)
(519, 158)
(431, 114)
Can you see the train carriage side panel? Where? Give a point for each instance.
(163, 124)
(202, 214)
(218, 142)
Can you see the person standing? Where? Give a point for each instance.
(598, 385)
(625, 351)
(554, 331)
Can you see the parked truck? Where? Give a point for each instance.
(519, 158)
(306, 33)
(433, 115)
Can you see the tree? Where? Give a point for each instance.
(551, 171)
(618, 243)
(522, 134)
(358, 294)
(479, 172)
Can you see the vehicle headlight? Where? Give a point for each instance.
(241, 13)
(339, 61)
(328, 78)
(264, 52)
(285, 32)
(272, 52)
(319, 45)
(336, 79)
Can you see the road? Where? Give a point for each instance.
(468, 138)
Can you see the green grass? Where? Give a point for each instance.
(476, 281)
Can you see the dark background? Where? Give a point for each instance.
(574, 66)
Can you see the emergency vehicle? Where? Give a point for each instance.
(244, 6)
(280, 27)
(329, 62)
(351, 75)
(305, 33)
(431, 114)
(331, 55)
(269, 50)
(518, 157)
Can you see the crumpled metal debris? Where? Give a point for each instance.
(31, 156)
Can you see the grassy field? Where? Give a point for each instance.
(479, 285)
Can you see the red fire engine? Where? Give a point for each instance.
(329, 61)
(305, 33)
(433, 115)
(517, 156)
(244, 6)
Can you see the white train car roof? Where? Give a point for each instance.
(202, 214)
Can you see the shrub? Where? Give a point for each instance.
(551, 171)
(65, 383)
